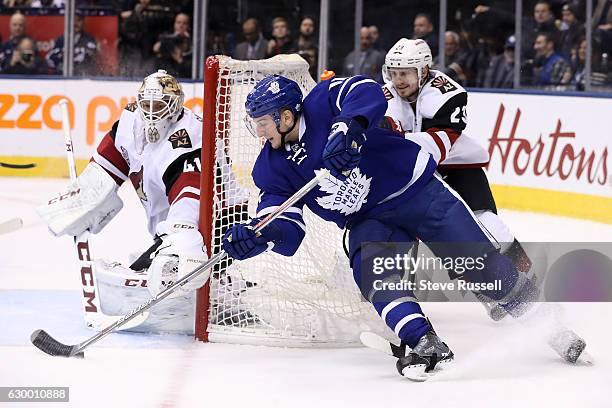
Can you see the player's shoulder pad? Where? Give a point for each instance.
(186, 133)
(270, 171)
(131, 107)
(388, 90)
(437, 92)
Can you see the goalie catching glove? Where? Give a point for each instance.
(181, 251)
(342, 153)
(89, 203)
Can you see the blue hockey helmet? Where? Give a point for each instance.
(273, 94)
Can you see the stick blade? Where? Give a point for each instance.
(44, 342)
(18, 166)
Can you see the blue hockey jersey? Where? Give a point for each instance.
(392, 168)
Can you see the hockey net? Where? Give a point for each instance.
(309, 299)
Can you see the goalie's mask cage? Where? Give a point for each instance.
(304, 300)
(160, 101)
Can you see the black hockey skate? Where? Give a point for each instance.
(427, 357)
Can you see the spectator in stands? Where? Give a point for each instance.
(216, 43)
(85, 52)
(181, 30)
(367, 61)
(281, 42)
(306, 40)
(375, 34)
(17, 28)
(16, 3)
(172, 59)
(452, 58)
(254, 45)
(550, 68)
(602, 25)
(500, 73)
(599, 72)
(424, 30)
(571, 30)
(47, 4)
(140, 28)
(543, 22)
(310, 55)
(307, 45)
(25, 61)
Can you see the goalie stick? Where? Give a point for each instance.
(10, 225)
(45, 342)
(94, 317)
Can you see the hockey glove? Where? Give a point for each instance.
(241, 242)
(342, 152)
(89, 203)
(181, 251)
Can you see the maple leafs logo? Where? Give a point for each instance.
(274, 87)
(347, 197)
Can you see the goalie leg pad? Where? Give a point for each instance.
(121, 290)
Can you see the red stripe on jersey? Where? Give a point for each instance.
(188, 179)
(108, 150)
(439, 143)
(117, 179)
(452, 134)
(188, 194)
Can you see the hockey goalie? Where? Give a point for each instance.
(156, 144)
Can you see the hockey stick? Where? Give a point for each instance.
(377, 342)
(49, 345)
(10, 225)
(17, 166)
(94, 318)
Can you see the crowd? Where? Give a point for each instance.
(479, 50)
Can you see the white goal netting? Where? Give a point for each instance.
(303, 300)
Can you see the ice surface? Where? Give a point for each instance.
(497, 364)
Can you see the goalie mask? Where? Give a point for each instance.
(160, 101)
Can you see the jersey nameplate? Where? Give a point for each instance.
(443, 85)
(180, 139)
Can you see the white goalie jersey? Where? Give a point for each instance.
(437, 121)
(166, 174)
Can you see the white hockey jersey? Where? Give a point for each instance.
(437, 121)
(165, 174)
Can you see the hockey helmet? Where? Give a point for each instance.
(272, 95)
(160, 101)
(407, 54)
